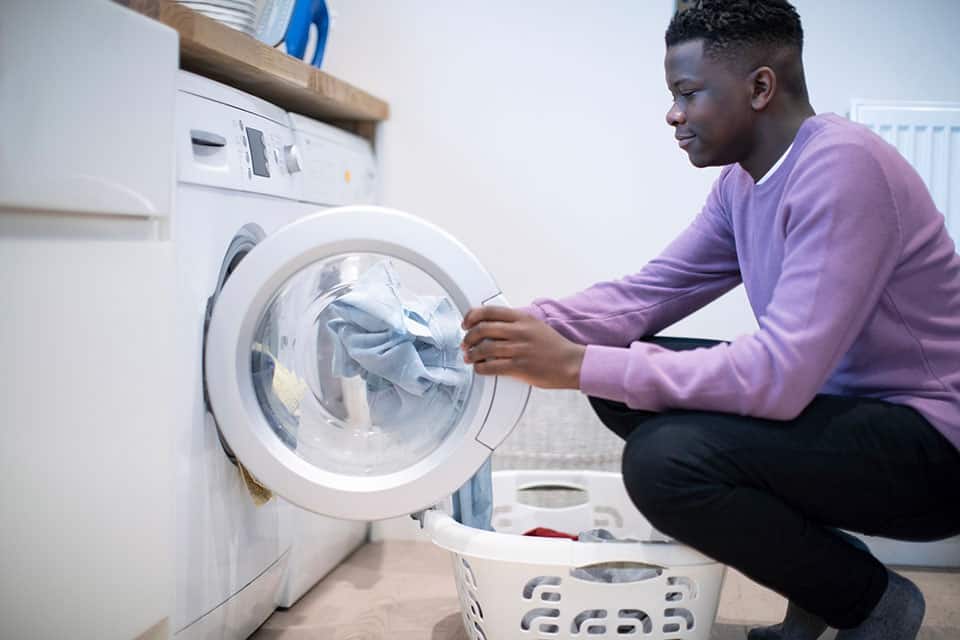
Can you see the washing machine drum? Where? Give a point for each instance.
(333, 367)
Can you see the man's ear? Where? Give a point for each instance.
(763, 86)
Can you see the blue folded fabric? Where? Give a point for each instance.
(408, 354)
(473, 502)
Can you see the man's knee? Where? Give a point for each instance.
(618, 417)
(662, 468)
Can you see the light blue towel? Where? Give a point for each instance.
(613, 572)
(473, 502)
(408, 353)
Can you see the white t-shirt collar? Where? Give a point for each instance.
(776, 165)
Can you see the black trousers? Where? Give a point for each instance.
(766, 496)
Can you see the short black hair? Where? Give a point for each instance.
(728, 27)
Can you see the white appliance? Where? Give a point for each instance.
(310, 435)
(237, 181)
(337, 168)
(87, 283)
(263, 392)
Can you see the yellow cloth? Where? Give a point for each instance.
(259, 493)
(289, 389)
(287, 385)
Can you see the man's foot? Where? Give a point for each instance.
(773, 632)
(798, 624)
(897, 616)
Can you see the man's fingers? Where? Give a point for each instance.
(488, 329)
(490, 349)
(493, 313)
(495, 367)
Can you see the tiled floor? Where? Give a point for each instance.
(404, 590)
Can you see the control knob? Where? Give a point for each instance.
(291, 156)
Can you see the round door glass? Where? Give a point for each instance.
(357, 366)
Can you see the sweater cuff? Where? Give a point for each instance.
(603, 371)
(533, 310)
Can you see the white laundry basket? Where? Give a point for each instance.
(514, 586)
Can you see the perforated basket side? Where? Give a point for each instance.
(512, 586)
(517, 600)
(469, 594)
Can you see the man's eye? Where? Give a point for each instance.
(687, 94)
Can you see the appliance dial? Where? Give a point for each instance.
(291, 157)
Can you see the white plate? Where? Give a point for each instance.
(210, 9)
(242, 5)
(213, 9)
(239, 26)
(217, 15)
(246, 22)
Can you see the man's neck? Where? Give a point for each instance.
(772, 141)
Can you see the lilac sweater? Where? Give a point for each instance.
(850, 273)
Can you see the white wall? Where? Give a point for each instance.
(534, 131)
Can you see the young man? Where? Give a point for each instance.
(842, 411)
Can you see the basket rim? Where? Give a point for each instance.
(447, 533)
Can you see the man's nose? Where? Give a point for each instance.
(675, 116)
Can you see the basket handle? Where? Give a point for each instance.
(617, 572)
(581, 480)
(582, 499)
(551, 484)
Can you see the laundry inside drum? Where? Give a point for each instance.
(357, 366)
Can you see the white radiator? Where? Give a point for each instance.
(928, 136)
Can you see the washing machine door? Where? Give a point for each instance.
(333, 366)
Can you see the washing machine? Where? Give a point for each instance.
(326, 438)
(241, 176)
(285, 455)
(336, 168)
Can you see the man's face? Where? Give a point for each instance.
(711, 113)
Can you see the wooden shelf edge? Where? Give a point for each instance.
(214, 50)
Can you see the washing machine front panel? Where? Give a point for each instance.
(334, 369)
(224, 540)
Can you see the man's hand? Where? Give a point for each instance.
(504, 342)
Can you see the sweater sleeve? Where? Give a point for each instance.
(842, 241)
(697, 267)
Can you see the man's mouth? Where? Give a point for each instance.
(684, 140)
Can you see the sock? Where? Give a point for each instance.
(798, 624)
(897, 616)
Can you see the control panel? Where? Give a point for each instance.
(222, 146)
(270, 152)
(338, 167)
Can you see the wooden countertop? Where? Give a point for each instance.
(216, 51)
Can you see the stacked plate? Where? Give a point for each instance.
(239, 14)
